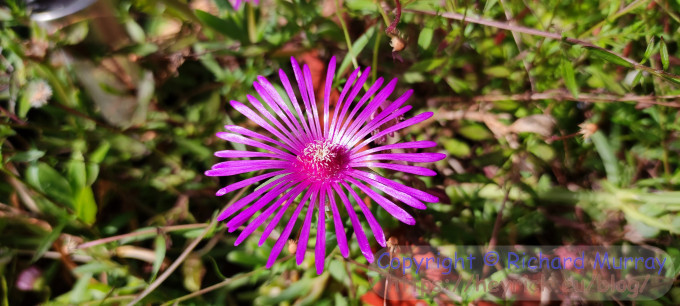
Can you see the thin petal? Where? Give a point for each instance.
(330, 73)
(369, 109)
(249, 198)
(338, 105)
(401, 168)
(402, 145)
(401, 196)
(299, 77)
(245, 215)
(406, 123)
(245, 169)
(249, 142)
(348, 103)
(252, 226)
(409, 157)
(296, 104)
(358, 229)
(246, 182)
(276, 250)
(372, 222)
(270, 227)
(339, 228)
(388, 205)
(245, 154)
(312, 98)
(320, 249)
(266, 93)
(304, 234)
(419, 194)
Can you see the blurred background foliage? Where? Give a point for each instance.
(109, 116)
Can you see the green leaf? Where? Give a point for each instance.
(357, 46)
(27, 156)
(97, 156)
(569, 79)
(663, 51)
(50, 182)
(607, 155)
(159, 255)
(135, 31)
(85, 205)
(609, 57)
(648, 51)
(428, 64)
(425, 38)
(75, 170)
(47, 242)
(227, 27)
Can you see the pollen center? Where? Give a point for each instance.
(322, 160)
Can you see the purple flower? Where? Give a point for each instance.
(321, 160)
(237, 3)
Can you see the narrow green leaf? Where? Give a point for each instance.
(648, 51)
(609, 57)
(46, 179)
(227, 27)
(75, 170)
(357, 46)
(159, 255)
(569, 78)
(607, 155)
(663, 51)
(85, 205)
(46, 243)
(637, 79)
(425, 38)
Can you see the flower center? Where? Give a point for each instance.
(322, 160)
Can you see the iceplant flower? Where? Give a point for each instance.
(321, 160)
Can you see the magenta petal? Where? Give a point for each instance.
(270, 227)
(419, 194)
(335, 122)
(330, 73)
(361, 102)
(233, 164)
(370, 108)
(250, 114)
(401, 168)
(402, 145)
(272, 98)
(320, 249)
(252, 226)
(401, 196)
(245, 154)
(312, 100)
(409, 157)
(242, 217)
(244, 169)
(304, 233)
(348, 103)
(276, 250)
(372, 222)
(249, 198)
(246, 182)
(406, 123)
(293, 100)
(249, 142)
(339, 228)
(358, 229)
(388, 205)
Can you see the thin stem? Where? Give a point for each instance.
(140, 233)
(562, 95)
(530, 31)
(182, 256)
(392, 29)
(221, 284)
